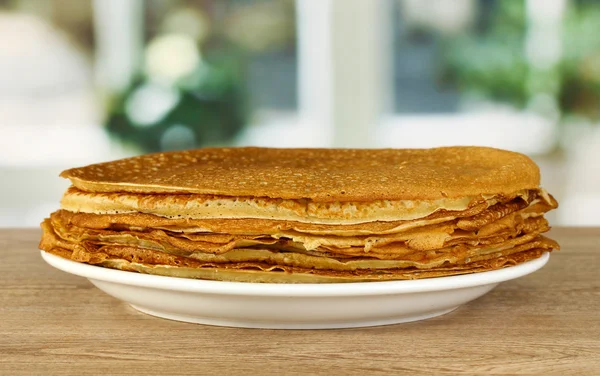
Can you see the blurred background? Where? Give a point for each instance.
(84, 81)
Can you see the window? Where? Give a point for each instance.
(83, 81)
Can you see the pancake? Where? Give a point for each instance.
(260, 258)
(204, 206)
(305, 215)
(426, 238)
(320, 175)
(256, 226)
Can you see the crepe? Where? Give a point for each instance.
(320, 175)
(305, 215)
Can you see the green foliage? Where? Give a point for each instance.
(580, 68)
(492, 63)
(212, 106)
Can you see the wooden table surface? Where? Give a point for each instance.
(548, 322)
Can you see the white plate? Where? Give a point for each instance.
(293, 306)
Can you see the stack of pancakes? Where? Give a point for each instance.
(304, 215)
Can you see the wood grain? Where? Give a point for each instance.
(548, 322)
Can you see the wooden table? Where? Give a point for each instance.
(548, 322)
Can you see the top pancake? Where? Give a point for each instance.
(321, 175)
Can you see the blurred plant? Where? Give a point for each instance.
(191, 90)
(493, 65)
(580, 68)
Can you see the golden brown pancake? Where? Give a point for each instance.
(304, 215)
(320, 175)
(411, 267)
(264, 226)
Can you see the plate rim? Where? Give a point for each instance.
(301, 289)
